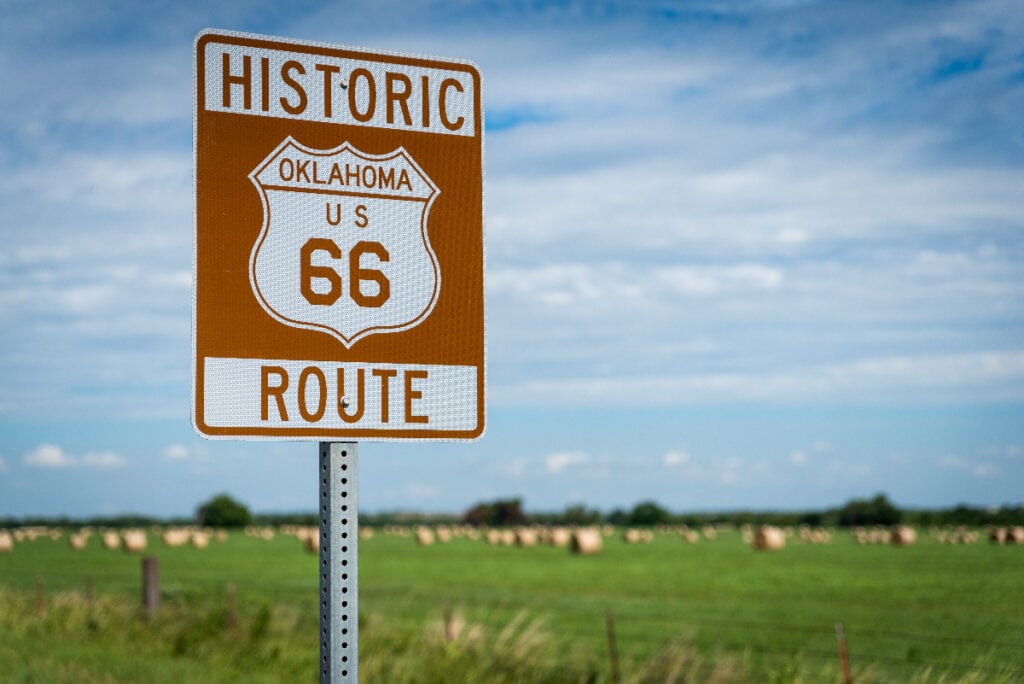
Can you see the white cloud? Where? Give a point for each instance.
(928, 379)
(801, 457)
(984, 471)
(676, 458)
(48, 456)
(177, 452)
(980, 470)
(418, 491)
(54, 457)
(557, 462)
(103, 460)
(1014, 452)
(953, 462)
(517, 467)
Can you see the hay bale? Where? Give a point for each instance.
(1015, 535)
(560, 536)
(997, 535)
(6, 542)
(967, 536)
(200, 539)
(111, 540)
(586, 541)
(134, 541)
(631, 536)
(769, 538)
(634, 536)
(78, 541)
(424, 536)
(526, 536)
(175, 537)
(903, 535)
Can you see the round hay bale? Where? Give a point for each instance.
(110, 540)
(424, 536)
(769, 538)
(560, 536)
(1015, 535)
(200, 539)
(134, 541)
(6, 542)
(903, 535)
(586, 541)
(997, 535)
(175, 537)
(632, 536)
(526, 537)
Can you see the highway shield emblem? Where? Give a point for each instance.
(344, 247)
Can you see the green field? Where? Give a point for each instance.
(715, 610)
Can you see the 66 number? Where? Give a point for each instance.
(357, 273)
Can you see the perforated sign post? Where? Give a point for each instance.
(338, 265)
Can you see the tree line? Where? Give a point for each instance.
(224, 511)
(876, 510)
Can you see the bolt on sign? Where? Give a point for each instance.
(339, 251)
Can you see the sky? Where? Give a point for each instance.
(740, 255)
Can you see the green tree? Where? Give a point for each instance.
(876, 511)
(223, 511)
(579, 514)
(648, 513)
(500, 513)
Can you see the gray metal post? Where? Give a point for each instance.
(339, 563)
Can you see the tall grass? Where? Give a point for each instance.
(468, 612)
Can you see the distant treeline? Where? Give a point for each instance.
(877, 510)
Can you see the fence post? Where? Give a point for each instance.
(449, 627)
(232, 606)
(613, 648)
(150, 586)
(40, 597)
(844, 658)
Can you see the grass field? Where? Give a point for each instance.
(715, 610)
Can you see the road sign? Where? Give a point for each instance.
(339, 256)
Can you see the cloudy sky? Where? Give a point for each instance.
(763, 254)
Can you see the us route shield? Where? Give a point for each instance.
(357, 226)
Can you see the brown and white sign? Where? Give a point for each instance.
(338, 243)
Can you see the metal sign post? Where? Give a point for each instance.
(339, 562)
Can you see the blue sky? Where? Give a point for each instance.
(763, 254)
